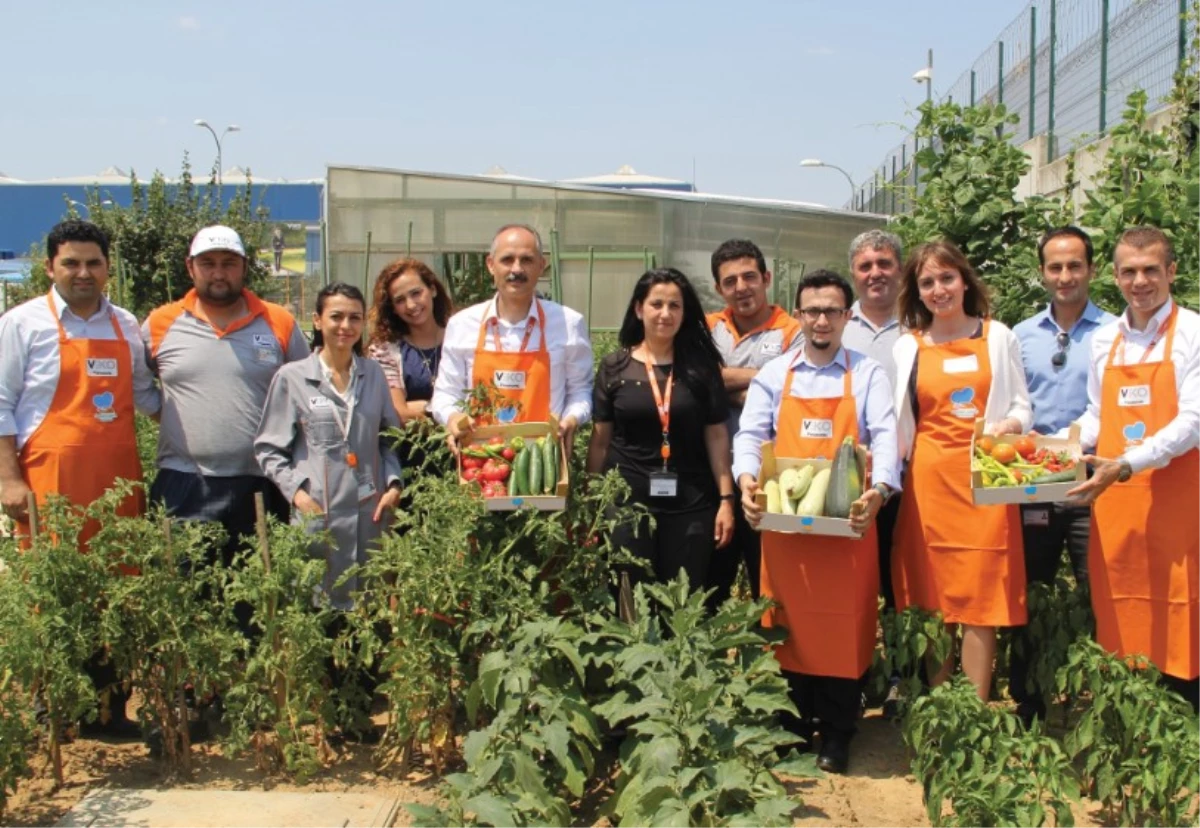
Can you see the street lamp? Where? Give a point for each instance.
(200, 122)
(925, 75)
(816, 162)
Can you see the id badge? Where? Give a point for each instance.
(664, 484)
(1036, 517)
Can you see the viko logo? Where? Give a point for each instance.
(816, 428)
(101, 367)
(1133, 395)
(509, 380)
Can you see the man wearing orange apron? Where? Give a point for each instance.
(72, 371)
(826, 588)
(1144, 417)
(532, 356)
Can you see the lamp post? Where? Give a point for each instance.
(200, 122)
(925, 75)
(816, 162)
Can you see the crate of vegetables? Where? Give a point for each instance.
(520, 465)
(811, 496)
(1024, 468)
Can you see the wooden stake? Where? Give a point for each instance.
(32, 508)
(264, 548)
(184, 732)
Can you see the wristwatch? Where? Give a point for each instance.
(1126, 471)
(885, 491)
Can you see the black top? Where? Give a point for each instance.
(622, 396)
(419, 366)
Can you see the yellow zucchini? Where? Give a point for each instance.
(814, 499)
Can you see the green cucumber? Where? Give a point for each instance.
(521, 471)
(550, 467)
(1066, 476)
(535, 468)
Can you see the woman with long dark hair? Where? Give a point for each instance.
(659, 417)
(321, 438)
(409, 310)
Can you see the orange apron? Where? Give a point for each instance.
(523, 377)
(87, 438)
(967, 561)
(826, 588)
(1145, 540)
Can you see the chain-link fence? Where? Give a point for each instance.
(1076, 61)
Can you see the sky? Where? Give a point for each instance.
(738, 92)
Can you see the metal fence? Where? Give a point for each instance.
(1065, 68)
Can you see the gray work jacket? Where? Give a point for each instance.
(300, 445)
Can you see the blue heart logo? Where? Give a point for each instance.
(1031, 490)
(806, 521)
(1134, 431)
(517, 501)
(103, 400)
(962, 396)
(506, 415)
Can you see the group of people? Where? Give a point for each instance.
(681, 410)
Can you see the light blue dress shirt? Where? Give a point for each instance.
(1058, 393)
(872, 399)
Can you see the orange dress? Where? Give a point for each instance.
(826, 588)
(1144, 547)
(950, 555)
(522, 376)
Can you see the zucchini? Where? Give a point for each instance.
(845, 482)
(1065, 476)
(774, 501)
(814, 499)
(535, 466)
(549, 467)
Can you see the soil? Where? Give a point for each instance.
(878, 790)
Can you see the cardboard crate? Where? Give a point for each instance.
(545, 503)
(1031, 493)
(796, 524)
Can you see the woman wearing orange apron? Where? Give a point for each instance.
(87, 439)
(522, 377)
(1145, 539)
(825, 588)
(951, 556)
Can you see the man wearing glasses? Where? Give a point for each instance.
(825, 589)
(1055, 347)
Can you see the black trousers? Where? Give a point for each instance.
(679, 541)
(885, 529)
(1188, 688)
(827, 705)
(745, 548)
(1046, 528)
(228, 501)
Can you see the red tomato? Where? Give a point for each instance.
(470, 473)
(496, 472)
(508, 454)
(471, 463)
(1025, 447)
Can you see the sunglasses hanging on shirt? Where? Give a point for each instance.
(1063, 341)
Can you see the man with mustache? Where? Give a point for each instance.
(872, 329)
(215, 352)
(535, 354)
(1055, 348)
(825, 588)
(72, 371)
(749, 333)
(1143, 417)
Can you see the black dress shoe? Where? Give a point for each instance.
(835, 753)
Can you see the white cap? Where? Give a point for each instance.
(217, 237)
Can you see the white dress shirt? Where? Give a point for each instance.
(1180, 435)
(872, 400)
(566, 340)
(29, 360)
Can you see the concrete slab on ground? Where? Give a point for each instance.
(221, 809)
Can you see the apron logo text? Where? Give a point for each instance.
(101, 367)
(104, 407)
(509, 380)
(1133, 395)
(816, 429)
(961, 404)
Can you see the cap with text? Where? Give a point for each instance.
(217, 237)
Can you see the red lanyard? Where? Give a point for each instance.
(495, 323)
(1162, 329)
(663, 404)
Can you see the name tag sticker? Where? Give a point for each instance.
(319, 402)
(961, 365)
(816, 429)
(267, 355)
(101, 367)
(664, 484)
(1133, 395)
(772, 348)
(509, 380)
(264, 341)
(1035, 517)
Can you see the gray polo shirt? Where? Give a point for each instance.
(876, 342)
(754, 349)
(214, 384)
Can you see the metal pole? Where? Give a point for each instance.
(1000, 60)
(929, 80)
(903, 166)
(892, 185)
(367, 262)
(1050, 153)
(972, 87)
(591, 271)
(1032, 68)
(1103, 65)
(408, 242)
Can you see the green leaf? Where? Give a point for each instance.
(490, 809)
